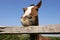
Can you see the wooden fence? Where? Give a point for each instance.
(31, 29)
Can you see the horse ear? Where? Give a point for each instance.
(39, 4)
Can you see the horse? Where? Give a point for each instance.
(30, 18)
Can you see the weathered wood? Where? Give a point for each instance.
(30, 29)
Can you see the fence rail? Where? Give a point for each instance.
(30, 29)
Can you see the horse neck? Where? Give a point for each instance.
(36, 21)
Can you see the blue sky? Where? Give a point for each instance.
(11, 11)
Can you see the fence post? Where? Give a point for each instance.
(34, 36)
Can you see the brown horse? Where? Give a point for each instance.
(30, 18)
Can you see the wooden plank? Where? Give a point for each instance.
(30, 29)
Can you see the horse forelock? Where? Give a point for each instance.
(28, 11)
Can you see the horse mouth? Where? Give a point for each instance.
(26, 22)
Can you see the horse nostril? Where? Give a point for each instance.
(30, 17)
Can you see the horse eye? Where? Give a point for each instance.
(37, 9)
